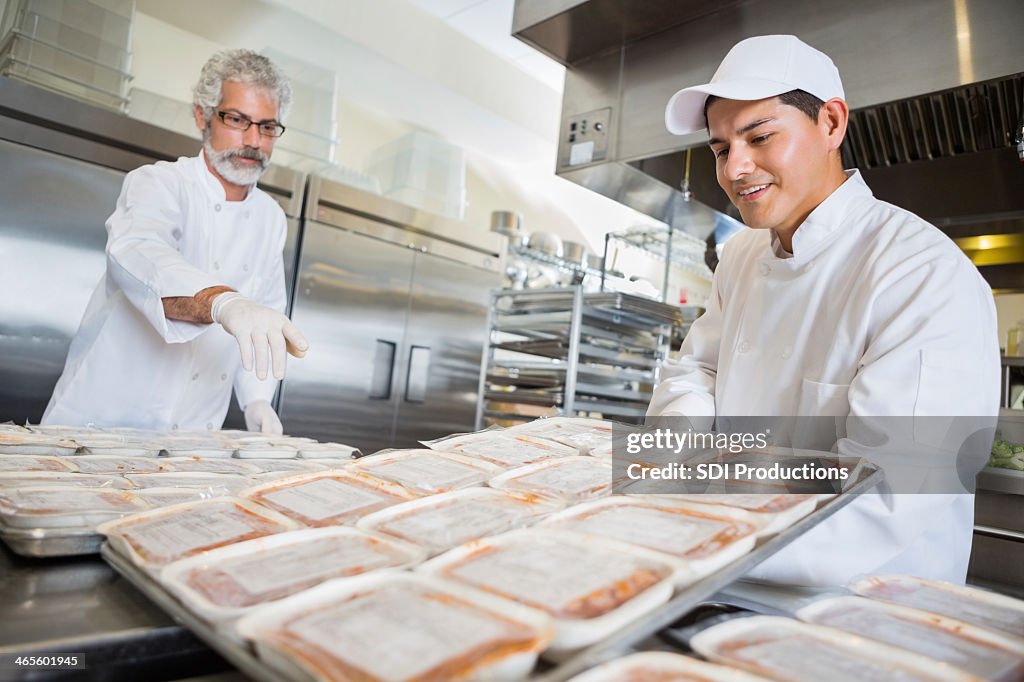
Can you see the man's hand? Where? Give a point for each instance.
(259, 331)
(260, 417)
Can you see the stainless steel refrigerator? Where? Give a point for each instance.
(394, 304)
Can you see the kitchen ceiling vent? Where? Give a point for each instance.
(972, 118)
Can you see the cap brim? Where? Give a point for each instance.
(685, 111)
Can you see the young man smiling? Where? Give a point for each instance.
(192, 245)
(833, 304)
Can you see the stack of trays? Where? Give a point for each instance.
(58, 483)
(78, 47)
(561, 352)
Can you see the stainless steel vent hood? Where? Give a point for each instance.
(935, 86)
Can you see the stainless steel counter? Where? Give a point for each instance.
(83, 607)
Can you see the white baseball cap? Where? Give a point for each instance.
(757, 68)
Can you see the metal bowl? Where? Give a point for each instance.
(575, 253)
(509, 224)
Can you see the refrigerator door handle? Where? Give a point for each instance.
(383, 370)
(419, 372)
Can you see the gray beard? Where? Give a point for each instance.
(222, 162)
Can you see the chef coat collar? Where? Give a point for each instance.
(818, 228)
(213, 187)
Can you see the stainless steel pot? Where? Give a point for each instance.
(575, 253)
(509, 224)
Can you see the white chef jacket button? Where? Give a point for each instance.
(786, 352)
(216, 265)
(195, 376)
(223, 377)
(209, 426)
(174, 427)
(245, 267)
(764, 268)
(217, 208)
(246, 214)
(744, 347)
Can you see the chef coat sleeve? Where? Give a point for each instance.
(271, 293)
(687, 384)
(143, 256)
(929, 377)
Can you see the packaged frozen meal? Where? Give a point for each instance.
(775, 512)
(211, 465)
(225, 583)
(288, 466)
(163, 497)
(21, 479)
(22, 463)
(584, 434)
(115, 464)
(988, 655)
(19, 443)
(696, 536)
(505, 450)
(331, 497)
(426, 471)
(396, 627)
(222, 484)
(969, 604)
(155, 538)
(572, 479)
(265, 450)
(64, 506)
(327, 451)
(662, 666)
(590, 586)
(440, 522)
(785, 649)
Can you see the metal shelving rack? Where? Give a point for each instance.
(674, 248)
(564, 352)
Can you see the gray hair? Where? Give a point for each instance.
(242, 66)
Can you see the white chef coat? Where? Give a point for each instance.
(172, 233)
(876, 313)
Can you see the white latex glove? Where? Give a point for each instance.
(260, 417)
(259, 331)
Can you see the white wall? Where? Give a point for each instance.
(1009, 310)
(399, 69)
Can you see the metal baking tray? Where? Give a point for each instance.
(553, 299)
(558, 368)
(51, 542)
(618, 644)
(242, 657)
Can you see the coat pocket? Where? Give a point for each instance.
(824, 400)
(820, 422)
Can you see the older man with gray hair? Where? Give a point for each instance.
(194, 250)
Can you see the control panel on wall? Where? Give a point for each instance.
(585, 138)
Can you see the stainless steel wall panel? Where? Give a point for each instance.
(352, 293)
(51, 258)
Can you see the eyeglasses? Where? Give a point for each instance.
(239, 122)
